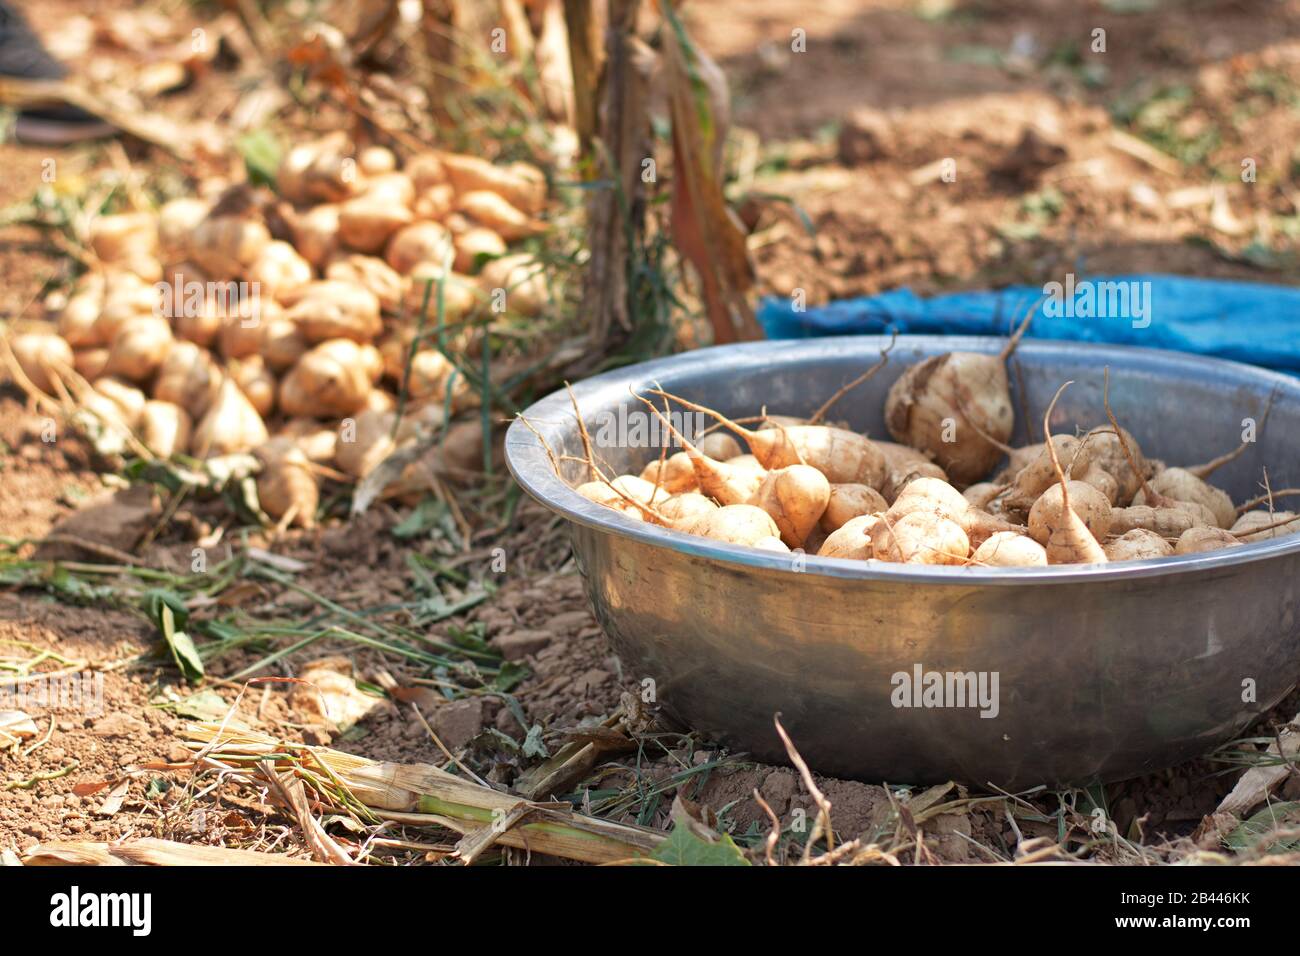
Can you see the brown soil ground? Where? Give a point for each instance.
(880, 93)
(892, 92)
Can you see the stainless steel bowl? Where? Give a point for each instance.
(1103, 672)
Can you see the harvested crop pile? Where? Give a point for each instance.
(311, 331)
(1091, 498)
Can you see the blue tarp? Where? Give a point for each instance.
(1244, 321)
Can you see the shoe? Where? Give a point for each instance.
(60, 126)
(22, 57)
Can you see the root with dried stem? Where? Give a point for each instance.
(817, 416)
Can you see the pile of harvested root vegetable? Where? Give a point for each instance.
(310, 330)
(936, 495)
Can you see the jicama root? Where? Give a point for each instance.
(359, 451)
(1029, 483)
(1150, 496)
(844, 457)
(418, 243)
(497, 214)
(230, 425)
(1138, 544)
(39, 352)
(1088, 504)
(795, 495)
(719, 480)
(851, 540)
(938, 497)
(850, 501)
(188, 377)
(1106, 451)
(475, 245)
(1166, 522)
(164, 428)
(981, 495)
(904, 465)
(331, 380)
(1262, 525)
(280, 272)
(138, 348)
(1201, 539)
(630, 494)
(602, 494)
(922, 537)
(735, 524)
(76, 321)
(371, 273)
(327, 310)
(226, 246)
(929, 494)
(1103, 481)
(1007, 549)
(639, 489)
(1017, 460)
(129, 399)
(1181, 485)
(677, 473)
(282, 343)
(318, 442)
(1058, 502)
(719, 445)
(90, 363)
(1068, 531)
(124, 237)
(956, 406)
(287, 486)
(746, 463)
(524, 284)
(256, 382)
(316, 233)
(682, 510)
(367, 221)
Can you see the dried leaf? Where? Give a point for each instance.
(329, 691)
(16, 724)
(113, 802)
(1258, 782)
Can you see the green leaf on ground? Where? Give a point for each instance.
(169, 613)
(1253, 834)
(261, 151)
(684, 848)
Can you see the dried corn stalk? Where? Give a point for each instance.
(423, 795)
(586, 59)
(706, 231)
(617, 213)
(151, 852)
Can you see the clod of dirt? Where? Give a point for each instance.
(119, 725)
(516, 645)
(867, 135)
(457, 722)
(116, 520)
(1033, 155)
